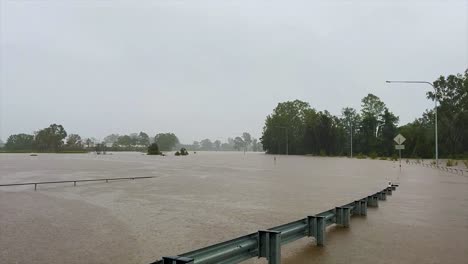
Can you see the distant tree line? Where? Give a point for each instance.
(50, 139)
(299, 129)
(244, 142)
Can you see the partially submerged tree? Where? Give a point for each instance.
(153, 149)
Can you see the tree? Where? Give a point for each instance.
(143, 139)
(217, 145)
(388, 132)
(166, 141)
(238, 143)
(124, 141)
(196, 145)
(206, 144)
(288, 118)
(111, 139)
(74, 141)
(247, 140)
(20, 142)
(452, 95)
(50, 138)
(153, 149)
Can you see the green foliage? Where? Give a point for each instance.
(383, 158)
(451, 163)
(394, 157)
(466, 163)
(74, 142)
(452, 114)
(50, 139)
(19, 142)
(373, 155)
(166, 141)
(153, 149)
(183, 152)
(361, 156)
(239, 143)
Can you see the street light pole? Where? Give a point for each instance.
(351, 125)
(435, 112)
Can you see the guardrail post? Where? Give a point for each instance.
(382, 195)
(177, 260)
(372, 201)
(269, 246)
(389, 190)
(316, 227)
(360, 207)
(342, 215)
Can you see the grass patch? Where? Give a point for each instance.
(451, 163)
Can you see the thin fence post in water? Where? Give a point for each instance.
(316, 228)
(269, 246)
(35, 186)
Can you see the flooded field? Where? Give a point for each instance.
(209, 197)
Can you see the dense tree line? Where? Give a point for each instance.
(452, 95)
(50, 139)
(297, 128)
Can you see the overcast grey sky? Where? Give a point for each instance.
(216, 68)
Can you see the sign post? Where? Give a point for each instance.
(399, 139)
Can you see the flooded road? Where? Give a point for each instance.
(210, 197)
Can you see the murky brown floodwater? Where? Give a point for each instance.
(206, 198)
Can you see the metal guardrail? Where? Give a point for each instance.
(267, 243)
(75, 181)
(443, 168)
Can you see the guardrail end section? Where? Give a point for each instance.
(269, 246)
(177, 260)
(316, 226)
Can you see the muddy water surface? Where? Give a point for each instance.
(206, 198)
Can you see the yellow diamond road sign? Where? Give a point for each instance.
(399, 139)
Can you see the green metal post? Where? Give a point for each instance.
(316, 228)
(269, 246)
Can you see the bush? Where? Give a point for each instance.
(451, 163)
(153, 149)
(322, 153)
(373, 155)
(183, 152)
(383, 158)
(360, 156)
(466, 163)
(394, 157)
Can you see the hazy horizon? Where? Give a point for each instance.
(211, 69)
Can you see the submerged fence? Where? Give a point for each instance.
(75, 181)
(267, 243)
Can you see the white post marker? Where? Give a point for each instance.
(399, 139)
